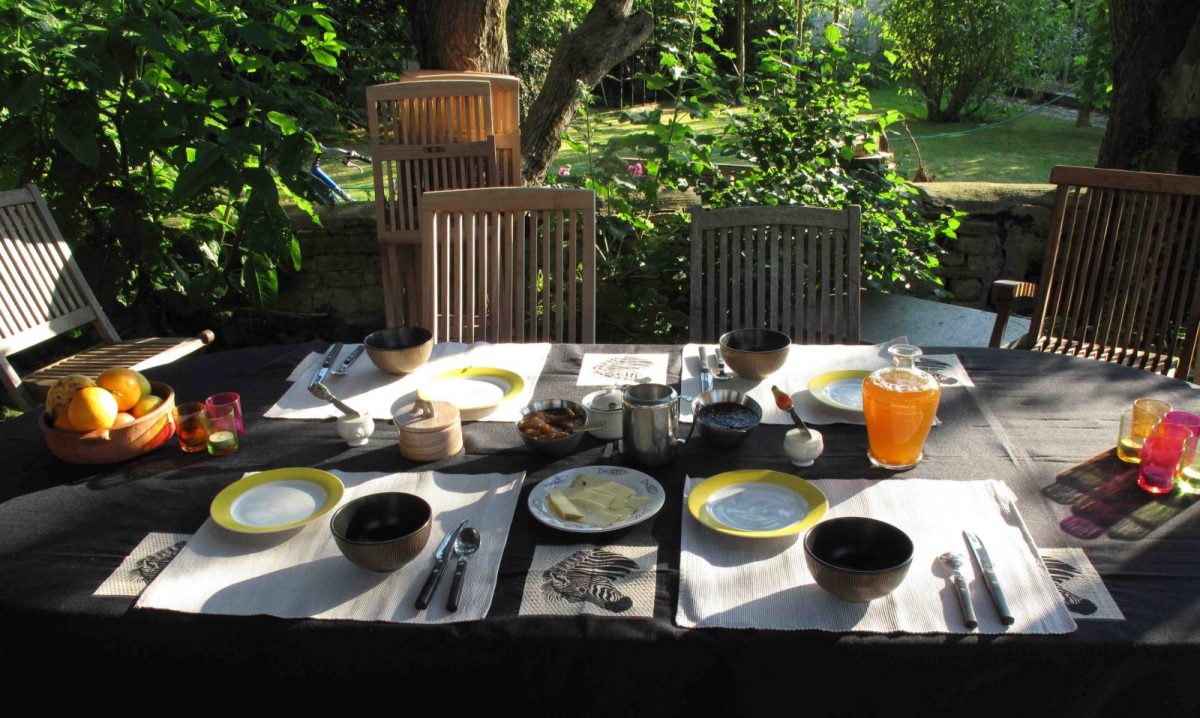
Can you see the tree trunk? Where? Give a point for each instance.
(1154, 123)
(460, 34)
(609, 33)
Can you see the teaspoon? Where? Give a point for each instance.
(466, 544)
(955, 562)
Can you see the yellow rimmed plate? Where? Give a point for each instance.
(276, 500)
(475, 390)
(757, 503)
(839, 389)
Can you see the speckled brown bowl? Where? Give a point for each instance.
(857, 559)
(382, 532)
(755, 353)
(399, 350)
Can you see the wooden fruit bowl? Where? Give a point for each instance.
(108, 446)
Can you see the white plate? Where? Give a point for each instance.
(756, 507)
(643, 484)
(276, 500)
(840, 389)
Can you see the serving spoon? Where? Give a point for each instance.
(466, 544)
(955, 562)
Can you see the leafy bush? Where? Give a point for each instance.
(960, 52)
(164, 134)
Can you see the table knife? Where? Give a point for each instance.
(328, 362)
(435, 576)
(989, 575)
(706, 382)
(345, 365)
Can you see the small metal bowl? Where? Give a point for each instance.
(718, 436)
(555, 447)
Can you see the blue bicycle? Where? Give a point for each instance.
(332, 192)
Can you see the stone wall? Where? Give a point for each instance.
(1002, 236)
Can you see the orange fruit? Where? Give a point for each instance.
(124, 384)
(62, 422)
(123, 419)
(146, 405)
(60, 395)
(92, 408)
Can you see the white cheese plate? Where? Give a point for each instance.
(642, 484)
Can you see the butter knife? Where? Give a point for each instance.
(989, 576)
(435, 576)
(705, 374)
(345, 365)
(329, 357)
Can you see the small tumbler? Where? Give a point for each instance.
(1136, 423)
(192, 426)
(227, 398)
(222, 435)
(1188, 477)
(1162, 453)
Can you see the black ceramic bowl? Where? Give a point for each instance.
(856, 558)
(720, 431)
(557, 448)
(399, 350)
(382, 532)
(755, 353)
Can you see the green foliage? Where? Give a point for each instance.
(1095, 84)
(960, 52)
(165, 135)
(801, 134)
(535, 28)
(799, 131)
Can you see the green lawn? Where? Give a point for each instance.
(1023, 150)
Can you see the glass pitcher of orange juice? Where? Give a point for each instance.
(899, 403)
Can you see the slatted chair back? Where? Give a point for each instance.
(424, 136)
(510, 264)
(1121, 278)
(506, 116)
(793, 269)
(44, 294)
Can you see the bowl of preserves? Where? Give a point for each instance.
(725, 417)
(554, 427)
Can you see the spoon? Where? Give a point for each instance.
(322, 392)
(784, 402)
(722, 372)
(955, 562)
(466, 544)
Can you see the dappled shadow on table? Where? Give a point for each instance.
(1105, 500)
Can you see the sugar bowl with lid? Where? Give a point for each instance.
(605, 406)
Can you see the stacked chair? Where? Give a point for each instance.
(434, 131)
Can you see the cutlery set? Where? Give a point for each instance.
(462, 542)
(955, 562)
(320, 390)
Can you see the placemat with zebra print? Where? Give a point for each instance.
(617, 369)
(614, 580)
(1082, 589)
(143, 564)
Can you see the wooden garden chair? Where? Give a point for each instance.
(510, 264)
(506, 116)
(429, 135)
(792, 269)
(43, 294)
(1121, 278)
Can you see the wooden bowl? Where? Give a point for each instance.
(399, 350)
(108, 446)
(755, 353)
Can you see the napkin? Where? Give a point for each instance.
(303, 574)
(733, 582)
(368, 388)
(804, 362)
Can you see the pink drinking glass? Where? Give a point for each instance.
(1162, 454)
(212, 403)
(1188, 477)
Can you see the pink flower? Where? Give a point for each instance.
(637, 169)
(564, 171)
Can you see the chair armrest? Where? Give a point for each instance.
(1004, 291)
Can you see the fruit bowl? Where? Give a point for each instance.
(108, 446)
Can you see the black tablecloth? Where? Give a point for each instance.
(1032, 421)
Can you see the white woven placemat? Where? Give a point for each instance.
(732, 582)
(302, 574)
(367, 388)
(804, 362)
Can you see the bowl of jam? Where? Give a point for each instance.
(551, 426)
(725, 417)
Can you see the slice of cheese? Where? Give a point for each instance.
(563, 506)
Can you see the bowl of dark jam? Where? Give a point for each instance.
(725, 417)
